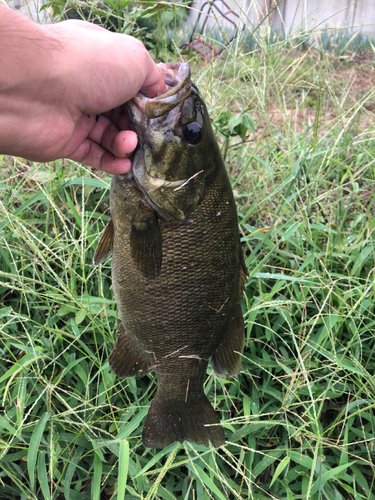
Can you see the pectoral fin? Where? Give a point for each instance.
(104, 249)
(146, 245)
(226, 359)
(126, 358)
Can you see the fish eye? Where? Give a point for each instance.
(193, 132)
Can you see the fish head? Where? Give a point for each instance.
(170, 164)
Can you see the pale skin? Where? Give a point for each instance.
(62, 91)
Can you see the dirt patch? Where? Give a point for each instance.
(362, 81)
(346, 84)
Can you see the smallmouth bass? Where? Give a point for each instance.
(177, 268)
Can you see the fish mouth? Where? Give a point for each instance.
(142, 111)
(177, 78)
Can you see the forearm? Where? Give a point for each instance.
(26, 48)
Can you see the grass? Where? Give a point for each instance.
(299, 419)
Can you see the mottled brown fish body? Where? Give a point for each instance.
(178, 278)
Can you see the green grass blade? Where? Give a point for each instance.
(329, 474)
(97, 478)
(279, 469)
(208, 482)
(42, 475)
(153, 491)
(34, 447)
(156, 459)
(71, 471)
(134, 424)
(21, 364)
(123, 466)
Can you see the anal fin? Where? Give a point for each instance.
(226, 359)
(126, 358)
(104, 248)
(146, 244)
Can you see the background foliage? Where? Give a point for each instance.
(295, 120)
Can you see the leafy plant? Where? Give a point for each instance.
(148, 21)
(229, 126)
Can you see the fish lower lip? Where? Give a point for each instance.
(142, 107)
(157, 182)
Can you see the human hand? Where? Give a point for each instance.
(66, 98)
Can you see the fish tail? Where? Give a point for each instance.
(169, 421)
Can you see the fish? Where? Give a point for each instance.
(178, 272)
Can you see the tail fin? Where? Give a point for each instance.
(174, 421)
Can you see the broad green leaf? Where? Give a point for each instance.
(80, 316)
(360, 479)
(277, 276)
(362, 258)
(348, 365)
(5, 424)
(74, 211)
(165, 494)
(321, 227)
(301, 459)
(248, 121)
(89, 299)
(5, 311)
(240, 124)
(246, 406)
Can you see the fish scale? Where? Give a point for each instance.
(177, 267)
(184, 306)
